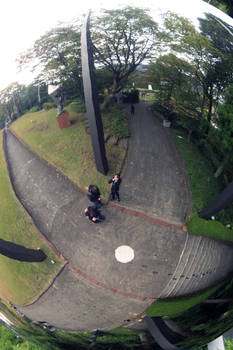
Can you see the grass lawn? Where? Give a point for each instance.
(204, 186)
(211, 228)
(21, 282)
(69, 149)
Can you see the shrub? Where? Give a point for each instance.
(34, 109)
(78, 106)
(49, 105)
(115, 121)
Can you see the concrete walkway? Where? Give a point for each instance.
(94, 290)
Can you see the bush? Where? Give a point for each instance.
(78, 106)
(131, 96)
(49, 105)
(34, 109)
(115, 122)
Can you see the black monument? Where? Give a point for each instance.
(91, 99)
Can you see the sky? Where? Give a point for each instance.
(24, 21)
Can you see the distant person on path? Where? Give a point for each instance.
(115, 181)
(132, 109)
(94, 195)
(93, 214)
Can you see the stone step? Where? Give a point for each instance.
(179, 271)
(203, 262)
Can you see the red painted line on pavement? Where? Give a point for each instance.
(146, 217)
(114, 290)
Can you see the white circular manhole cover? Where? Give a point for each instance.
(124, 254)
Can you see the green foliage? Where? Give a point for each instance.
(17, 279)
(204, 186)
(229, 344)
(115, 122)
(70, 149)
(57, 52)
(78, 106)
(160, 111)
(34, 109)
(9, 341)
(131, 96)
(209, 228)
(176, 306)
(123, 39)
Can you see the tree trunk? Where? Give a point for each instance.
(203, 105)
(221, 167)
(189, 134)
(106, 102)
(210, 104)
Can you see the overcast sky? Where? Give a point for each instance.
(24, 21)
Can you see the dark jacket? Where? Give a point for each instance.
(93, 197)
(115, 184)
(92, 213)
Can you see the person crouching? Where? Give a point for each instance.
(93, 214)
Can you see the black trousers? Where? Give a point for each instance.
(115, 193)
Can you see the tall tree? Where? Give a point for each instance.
(56, 55)
(223, 5)
(199, 50)
(11, 100)
(123, 39)
(224, 122)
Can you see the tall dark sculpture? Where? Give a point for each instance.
(91, 99)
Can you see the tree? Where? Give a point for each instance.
(57, 56)
(223, 5)
(122, 40)
(199, 50)
(224, 122)
(220, 73)
(11, 100)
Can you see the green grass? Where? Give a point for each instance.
(176, 306)
(126, 338)
(69, 149)
(204, 186)
(210, 228)
(21, 282)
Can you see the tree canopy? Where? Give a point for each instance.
(56, 55)
(122, 40)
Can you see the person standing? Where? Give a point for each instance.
(132, 109)
(115, 181)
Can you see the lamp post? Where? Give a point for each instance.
(91, 99)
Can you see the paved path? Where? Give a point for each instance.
(94, 290)
(155, 180)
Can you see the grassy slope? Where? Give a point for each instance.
(68, 149)
(21, 282)
(205, 188)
